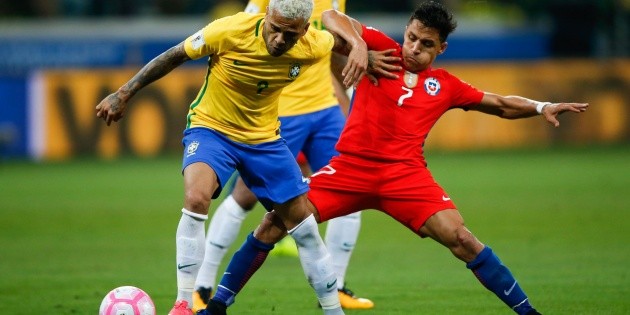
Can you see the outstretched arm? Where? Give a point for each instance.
(514, 107)
(112, 108)
(348, 41)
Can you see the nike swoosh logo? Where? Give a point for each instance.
(180, 267)
(330, 285)
(239, 63)
(217, 245)
(507, 292)
(444, 198)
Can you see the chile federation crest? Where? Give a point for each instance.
(432, 86)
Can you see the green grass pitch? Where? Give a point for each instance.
(559, 218)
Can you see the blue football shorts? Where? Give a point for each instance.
(315, 134)
(268, 169)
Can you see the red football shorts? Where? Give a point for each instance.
(406, 191)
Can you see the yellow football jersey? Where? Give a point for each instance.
(239, 97)
(314, 91)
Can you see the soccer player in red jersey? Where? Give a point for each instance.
(381, 164)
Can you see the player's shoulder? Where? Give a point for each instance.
(444, 77)
(316, 43)
(377, 39)
(240, 23)
(441, 73)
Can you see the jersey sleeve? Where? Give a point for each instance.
(324, 43)
(377, 40)
(213, 38)
(464, 94)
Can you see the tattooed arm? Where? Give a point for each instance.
(112, 108)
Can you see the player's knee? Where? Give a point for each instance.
(467, 244)
(271, 230)
(197, 201)
(463, 236)
(247, 200)
(243, 196)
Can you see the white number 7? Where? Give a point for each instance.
(328, 170)
(406, 96)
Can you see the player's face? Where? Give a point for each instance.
(422, 44)
(281, 33)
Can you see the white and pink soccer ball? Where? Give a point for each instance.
(127, 300)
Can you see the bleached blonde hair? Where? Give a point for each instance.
(292, 9)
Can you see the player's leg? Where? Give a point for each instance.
(413, 198)
(275, 178)
(301, 225)
(343, 232)
(447, 227)
(222, 231)
(246, 261)
(341, 236)
(205, 166)
(314, 256)
(295, 131)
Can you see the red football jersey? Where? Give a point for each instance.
(390, 122)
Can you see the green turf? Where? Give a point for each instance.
(70, 232)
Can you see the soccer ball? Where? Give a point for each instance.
(127, 300)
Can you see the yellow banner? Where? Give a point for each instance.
(156, 116)
(604, 85)
(153, 123)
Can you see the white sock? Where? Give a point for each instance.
(317, 265)
(222, 231)
(189, 248)
(341, 236)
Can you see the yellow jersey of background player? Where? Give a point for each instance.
(315, 91)
(240, 95)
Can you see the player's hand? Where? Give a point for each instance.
(356, 66)
(552, 111)
(112, 108)
(382, 63)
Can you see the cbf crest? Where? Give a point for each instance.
(192, 148)
(432, 86)
(294, 70)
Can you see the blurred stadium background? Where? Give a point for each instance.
(58, 58)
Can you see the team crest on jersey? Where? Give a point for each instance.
(192, 148)
(411, 79)
(432, 86)
(294, 71)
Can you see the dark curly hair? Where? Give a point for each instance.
(434, 15)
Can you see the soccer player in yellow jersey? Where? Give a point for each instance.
(233, 125)
(311, 122)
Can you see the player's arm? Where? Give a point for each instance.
(346, 31)
(112, 108)
(347, 34)
(514, 107)
(382, 64)
(337, 62)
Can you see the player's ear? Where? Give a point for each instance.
(306, 27)
(442, 48)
